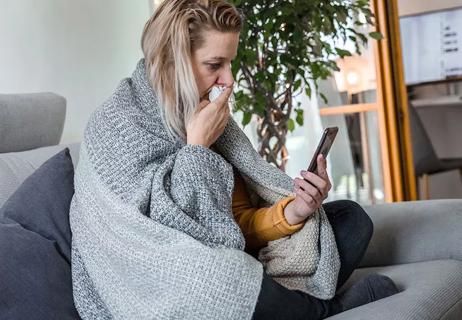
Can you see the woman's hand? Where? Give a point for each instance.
(209, 120)
(309, 194)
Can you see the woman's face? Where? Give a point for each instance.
(212, 62)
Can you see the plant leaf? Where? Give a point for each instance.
(246, 119)
(291, 125)
(376, 35)
(299, 118)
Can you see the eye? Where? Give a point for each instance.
(214, 66)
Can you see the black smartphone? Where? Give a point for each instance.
(323, 148)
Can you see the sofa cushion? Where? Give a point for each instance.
(429, 290)
(15, 167)
(30, 120)
(35, 273)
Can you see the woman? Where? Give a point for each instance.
(213, 46)
(159, 147)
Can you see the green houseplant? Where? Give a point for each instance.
(286, 47)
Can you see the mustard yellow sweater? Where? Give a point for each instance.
(260, 225)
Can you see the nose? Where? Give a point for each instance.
(226, 77)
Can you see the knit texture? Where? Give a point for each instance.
(153, 232)
(297, 263)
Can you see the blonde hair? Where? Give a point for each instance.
(169, 38)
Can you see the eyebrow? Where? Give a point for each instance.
(219, 58)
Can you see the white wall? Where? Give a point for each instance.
(78, 49)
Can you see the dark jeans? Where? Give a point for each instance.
(353, 230)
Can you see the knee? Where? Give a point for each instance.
(360, 217)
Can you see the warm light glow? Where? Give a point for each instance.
(357, 74)
(352, 78)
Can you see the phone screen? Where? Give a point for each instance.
(323, 148)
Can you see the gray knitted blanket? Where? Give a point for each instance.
(153, 231)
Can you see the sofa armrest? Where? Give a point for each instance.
(414, 231)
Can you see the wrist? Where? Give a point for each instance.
(291, 216)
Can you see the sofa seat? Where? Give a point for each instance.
(429, 290)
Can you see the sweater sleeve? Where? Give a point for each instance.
(260, 225)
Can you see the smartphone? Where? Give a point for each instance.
(323, 148)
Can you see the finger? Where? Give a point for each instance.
(225, 112)
(329, 184)
(316, 180)
(225, 118)
(310, 202)
(224, 96)
(322, 166)
(322, 170)
(311, 190)
(202, 105)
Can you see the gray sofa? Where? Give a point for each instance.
(418, 244)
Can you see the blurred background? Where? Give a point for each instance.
(398, 105)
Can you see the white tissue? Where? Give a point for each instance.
(216, 91)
